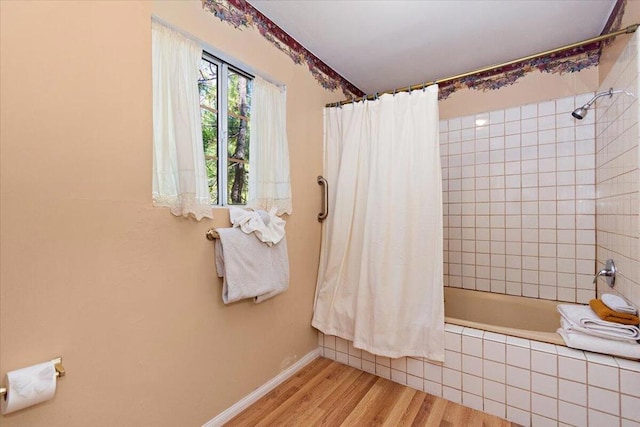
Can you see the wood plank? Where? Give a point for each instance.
(346, 403)
(436, 413)
(412, 411)
(327, 393)
(276, 397)
(306, 399)
(400, 408)
(376, 405)
(304, 395)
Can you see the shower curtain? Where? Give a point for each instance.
(380, 280)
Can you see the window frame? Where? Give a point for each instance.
(222, 107)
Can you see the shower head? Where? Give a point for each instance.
(580, 113)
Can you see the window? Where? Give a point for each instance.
(225, 105)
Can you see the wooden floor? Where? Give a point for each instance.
(328, 393)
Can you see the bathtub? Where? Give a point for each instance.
(523, 317)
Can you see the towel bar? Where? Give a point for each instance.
(212, 234)
(60, 372)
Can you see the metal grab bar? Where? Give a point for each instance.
(325, 198)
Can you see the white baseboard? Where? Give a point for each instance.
(265, 388)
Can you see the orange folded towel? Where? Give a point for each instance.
(605, 313)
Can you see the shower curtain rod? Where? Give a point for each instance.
(630, 29)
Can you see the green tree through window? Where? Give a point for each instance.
(225, 105)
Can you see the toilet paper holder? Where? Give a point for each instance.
(60, 372)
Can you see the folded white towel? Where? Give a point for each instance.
(572, 327)
(250, 268)
(615, 303)
(267, 226)
(582, 315)
(600, 345)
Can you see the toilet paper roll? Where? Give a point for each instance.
(28, 386)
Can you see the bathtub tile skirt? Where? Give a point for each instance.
(534, 384)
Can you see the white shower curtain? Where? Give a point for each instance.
(380, 280)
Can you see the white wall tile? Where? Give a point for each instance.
(434, 388)
(471, 346)
(518, 416)
(355, 362)
(453, 341)
(603, 376)
(597, 418)
(494, 408)
(384, 361)
(629, 423)
(495, 351)
(369, 366)
(433, 372)
(452, 360)
(383, 371)
(545, 363)
(540, 421)
(572, 369)
(630, 407)
(544, 384)
(572, 392)
(472, 384)
(399, 364)
(493, 371)
(519, 398)
(571, 414)
(472, 401)
(630, 382)
(604, 400)
(342, 345)
(415, 382)
(472, 365)
(518, 356)
(545, 406)
(452, 378)
(415, 367)
(494, 390)
(452, 394)
(519, 377)
(399, 377)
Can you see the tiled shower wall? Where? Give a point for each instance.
(519, 201)
(617, 175)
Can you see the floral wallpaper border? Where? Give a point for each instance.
(564, 62)
(240, 14)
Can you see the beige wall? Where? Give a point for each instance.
(125, 292)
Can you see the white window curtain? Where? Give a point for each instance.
(179, 172)
(269, 176)
(380, 280)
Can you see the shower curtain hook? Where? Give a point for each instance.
(424, 86)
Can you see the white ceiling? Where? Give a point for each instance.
(380, 45)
